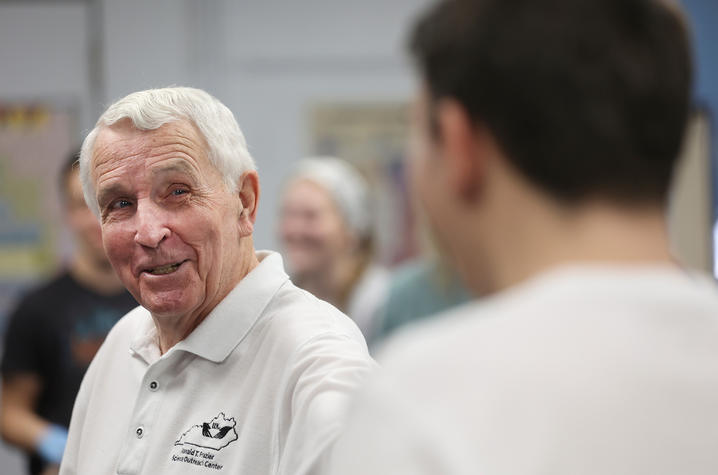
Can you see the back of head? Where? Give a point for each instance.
(152, 108)
(588, 99)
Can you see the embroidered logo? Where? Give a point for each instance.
(215, 434)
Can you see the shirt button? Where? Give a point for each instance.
(140, 432)
(154, 386)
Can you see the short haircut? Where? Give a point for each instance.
(68, 167)
(153, 108)
(586, 98)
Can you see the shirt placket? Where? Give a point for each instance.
(143, 429)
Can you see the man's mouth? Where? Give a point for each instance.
(166, 269)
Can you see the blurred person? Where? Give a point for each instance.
(226, 366)
(327, 235)
(419, 289)
(54, 333)
(544, 139)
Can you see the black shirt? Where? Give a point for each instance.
(54, 333)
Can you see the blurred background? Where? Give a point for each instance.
(316, 77)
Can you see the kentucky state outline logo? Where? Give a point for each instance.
(215, 434)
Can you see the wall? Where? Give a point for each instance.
(268, 61)
(704, 17)
(44, 54)
(280, 57)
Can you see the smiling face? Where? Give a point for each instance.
(312, 230)
(170, 226)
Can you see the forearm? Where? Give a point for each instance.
(21, 427)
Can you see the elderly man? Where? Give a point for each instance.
(545, 137)
(226, 367)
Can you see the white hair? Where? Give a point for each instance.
(346, 186)
(151, 109)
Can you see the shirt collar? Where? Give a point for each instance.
(146, 342)
(231, 320)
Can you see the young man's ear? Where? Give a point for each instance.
(464, 146)
(248, 190)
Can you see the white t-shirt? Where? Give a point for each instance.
(259, 387)
(583, 370)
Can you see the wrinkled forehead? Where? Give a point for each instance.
(118, 140)
(178, 140)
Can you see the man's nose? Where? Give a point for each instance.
(151, 225)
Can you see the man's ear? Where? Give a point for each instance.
(464, 148)
(248, 190)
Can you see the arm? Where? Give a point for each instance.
(387, 434)
(22, 384)
(21, 426)
(325, 374)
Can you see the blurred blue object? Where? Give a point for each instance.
(52, 445)
(419, 289)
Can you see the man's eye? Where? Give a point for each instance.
(119, 204)
(179, 191)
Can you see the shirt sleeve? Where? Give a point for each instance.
(70, 460)
(326, 372)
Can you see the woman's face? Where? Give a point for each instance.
(313, 232)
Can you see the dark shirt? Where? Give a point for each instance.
(54, 333)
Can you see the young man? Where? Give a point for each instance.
(545, 137)
(54, 333)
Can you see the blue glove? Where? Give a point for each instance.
(52, 444)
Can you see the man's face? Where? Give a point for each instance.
(169, 224)
(312, 230)
(427, 177)
(84, 224)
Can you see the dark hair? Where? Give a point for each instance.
(587, 98)
(69, 166)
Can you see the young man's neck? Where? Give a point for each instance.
(595, 233)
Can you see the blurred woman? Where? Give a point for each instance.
(326, 233)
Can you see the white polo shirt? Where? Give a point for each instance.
(583, 370)
(258, 387)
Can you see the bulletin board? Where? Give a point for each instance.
(35, 138)
(372, 137)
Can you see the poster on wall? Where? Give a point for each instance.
(35, 138)
(373, 137)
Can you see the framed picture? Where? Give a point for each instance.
(373, 138)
